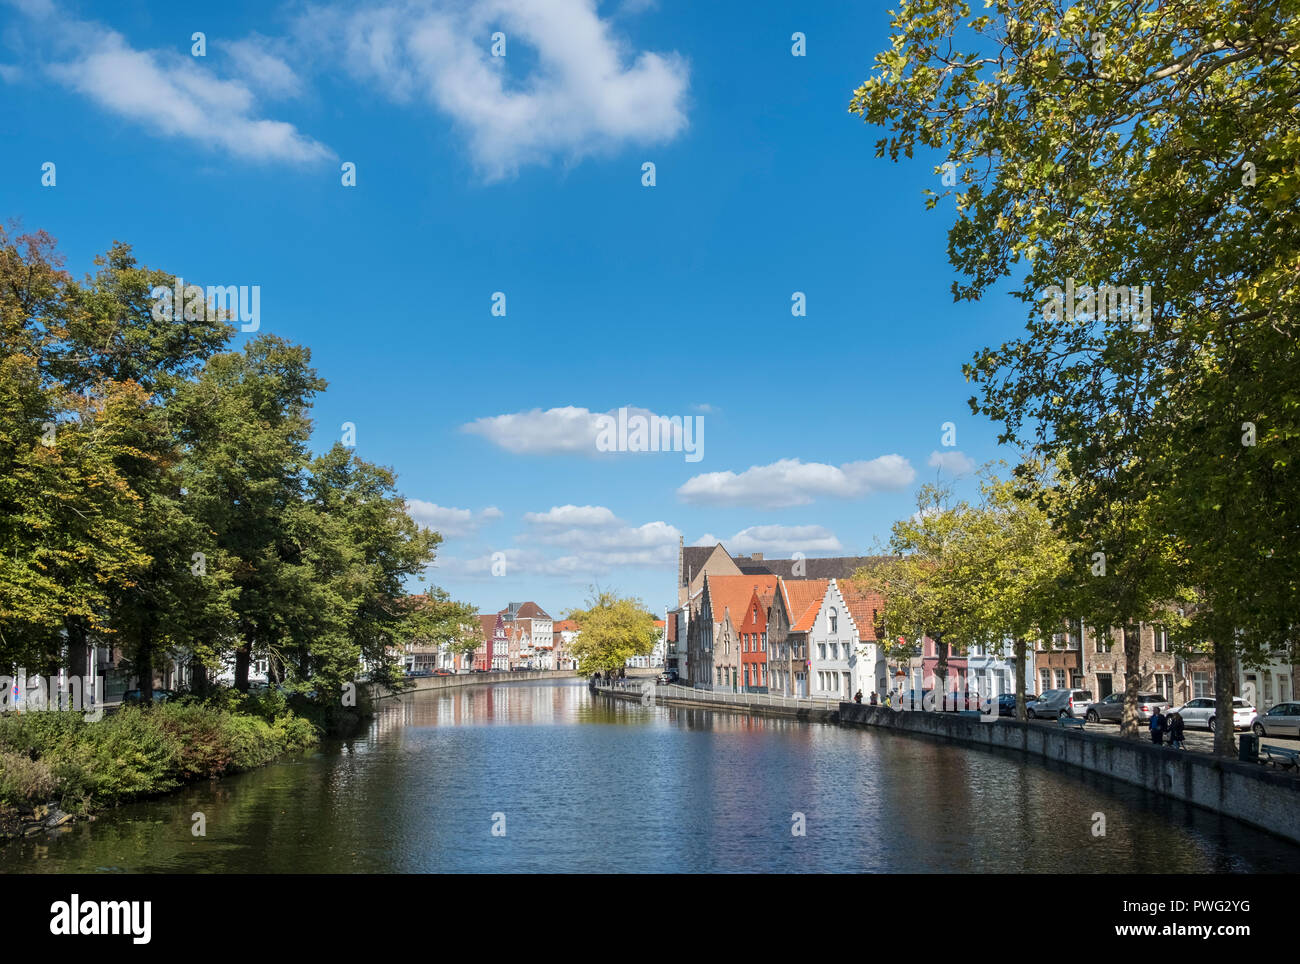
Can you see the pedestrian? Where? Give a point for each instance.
(1174, 721)
(857, 697)
(887, 698)
(874, 700)
(1158, 727)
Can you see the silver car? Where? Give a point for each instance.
(1281, 720)
(1056, 703)
(1200, 712)
(1112, 707)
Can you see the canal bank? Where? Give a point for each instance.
(759, 704)
(1257, 795)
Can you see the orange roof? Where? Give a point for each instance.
(803, 598)
(860, 604)
(565, 626)
(731, 594)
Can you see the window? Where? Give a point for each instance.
(1060, 679)
(821, 650)
(1165, 685)
(835, 651)
(835, 620)
(1162, 642)
(1103, 640)
(1201, 684)
(1045, 676)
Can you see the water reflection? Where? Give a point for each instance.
(588, 783)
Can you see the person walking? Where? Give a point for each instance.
(1158, 727)
(874, 699)
(1174, 721)
(857, 697)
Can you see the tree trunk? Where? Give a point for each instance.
(144, 664)
(241, 668)
(1132, 681)
(1225, 745)
(78, 648)
(1020, 679)
(940, 691)
(198, 677)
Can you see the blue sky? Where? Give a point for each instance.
(523, 175)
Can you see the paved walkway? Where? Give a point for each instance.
(1201, 741)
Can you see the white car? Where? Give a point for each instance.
(1200, 712)
(1281, 720)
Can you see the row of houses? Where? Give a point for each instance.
(522, 636)
(801, 627)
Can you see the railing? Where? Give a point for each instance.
(643, 688)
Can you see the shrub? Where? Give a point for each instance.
(24, 780)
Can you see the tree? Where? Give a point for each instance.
(611, 630)
(926, 586)
(1020, 575)
(1105, 150)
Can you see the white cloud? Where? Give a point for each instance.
(790, 482)
(451, 522)
(573, 430)
(259, 60)
(572, 515)
(166, 91)
(954, 463)
(783, 540)
(587, 92)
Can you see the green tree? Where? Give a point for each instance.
(1095, 145)
(611, 630)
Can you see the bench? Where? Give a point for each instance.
(1070, 721)
(1281, 756)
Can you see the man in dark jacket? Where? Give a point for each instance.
(1174, 722)
(1157, 727)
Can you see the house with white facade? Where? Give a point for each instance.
(844, 656)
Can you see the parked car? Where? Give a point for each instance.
(443, 672)
(413, 673)
(1064, 702)
(1007, 703)
(667, 679)
(159, 696)
(1200, 712)
(1281, 720)
(1111, 707)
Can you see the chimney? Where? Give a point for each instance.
(756, 556)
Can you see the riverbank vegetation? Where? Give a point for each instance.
(1133, 171)
(59, 763)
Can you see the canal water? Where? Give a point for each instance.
(570, 781)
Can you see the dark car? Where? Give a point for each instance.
(159, 696)
(1007, 703)
(419, 672)
(667, 679)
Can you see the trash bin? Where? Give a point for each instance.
(1248, 748)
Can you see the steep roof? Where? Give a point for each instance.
(730, 595)
(803, 599)
(489, 624)
(860, 604)
(526, 610)
(564, 626)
